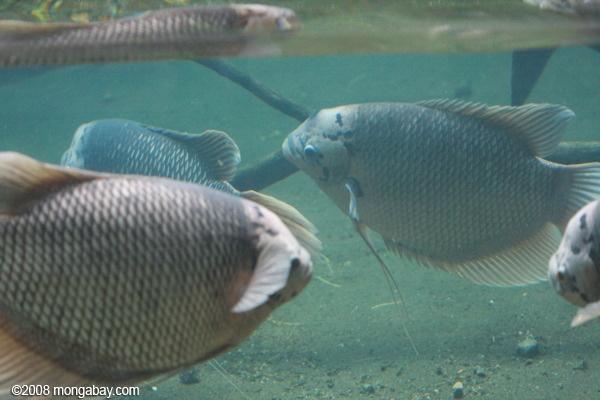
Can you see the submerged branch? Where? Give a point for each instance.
(576, 152)
(275, 167)
(266, 172)
(259, 90)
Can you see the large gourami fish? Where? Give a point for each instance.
(209, 158)
(108, 278)
(574, 270)
(174, 33)
(456, 185)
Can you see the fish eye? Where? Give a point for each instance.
(295, 263)
(310, 151)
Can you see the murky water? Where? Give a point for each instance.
(341, 338)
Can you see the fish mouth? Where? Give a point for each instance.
(564, 283)
(292, 149)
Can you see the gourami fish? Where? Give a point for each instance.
(456, 185)
(109, 279)
(128, 147)
(189, 32)
(574, 269)
(209, 158)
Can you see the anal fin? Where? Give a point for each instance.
(522, 264)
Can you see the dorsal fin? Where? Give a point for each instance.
(541, 126)
(13, 29)
(218, 151)
(23, 180)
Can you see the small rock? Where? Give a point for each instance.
(582, 365)
(479, 371)
(458, 390)
(189, 377)
(367, 388)
(529, 347)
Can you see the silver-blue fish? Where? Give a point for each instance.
(456, 185)
(209, 159)
(128, 147)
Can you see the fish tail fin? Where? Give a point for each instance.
(302, 229)
(578, 186)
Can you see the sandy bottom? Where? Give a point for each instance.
(339, 340)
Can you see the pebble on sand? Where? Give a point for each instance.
(480, 372)
(189, 377)
(528, 347)
(458, 390)
(367, 388)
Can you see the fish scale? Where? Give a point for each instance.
(460, 202)
(137, 324)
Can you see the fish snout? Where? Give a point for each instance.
(575, 279)
(73, 157)
(267, 19)
(293, 148)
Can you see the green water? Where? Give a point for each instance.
(332, 342)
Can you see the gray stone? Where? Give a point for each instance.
(367, 388)
(528, 347)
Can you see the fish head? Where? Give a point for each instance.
(263, 19)
(96, 144)
(572, 270)
(320, 145)
(75, 155)
(283, 267)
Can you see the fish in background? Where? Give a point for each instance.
(456, 185)
(574, 269)
(115, 279)
(186, 32)
(128, 147)
(209, 158)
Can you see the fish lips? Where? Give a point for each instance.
(293, 149)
